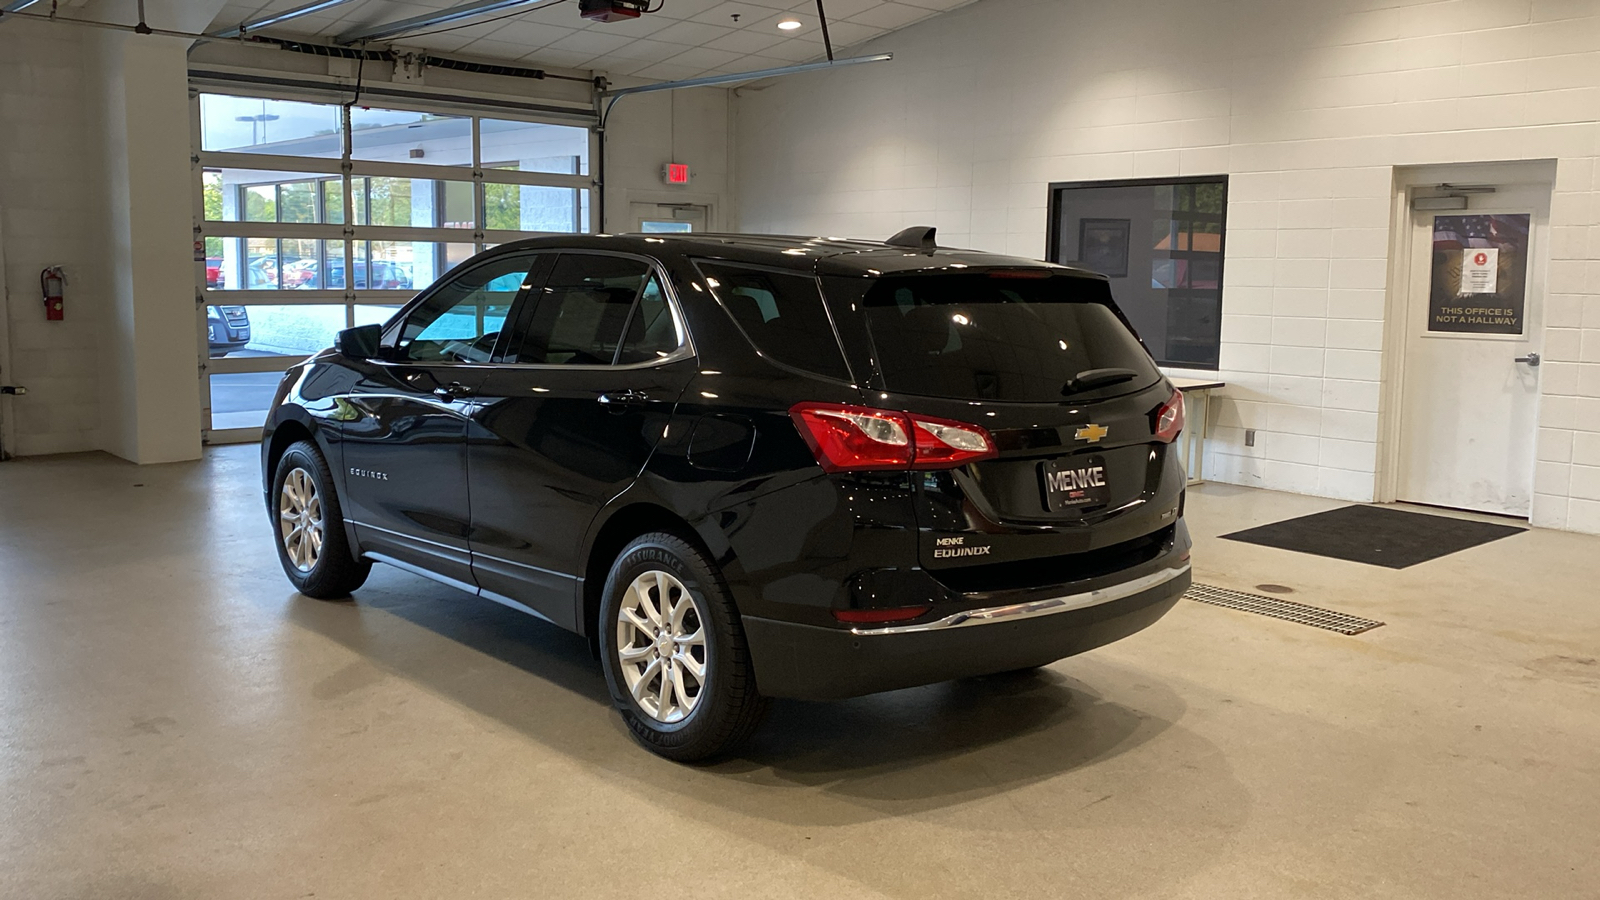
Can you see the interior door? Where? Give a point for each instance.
(569, 424)
(405, 439)
(1474, 329)
(679, 218)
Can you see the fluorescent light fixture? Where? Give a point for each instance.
(789, 24)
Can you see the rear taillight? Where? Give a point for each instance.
(1169, 419)
(847, 438)
(942, 443)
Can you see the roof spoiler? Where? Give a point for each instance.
(917, 237)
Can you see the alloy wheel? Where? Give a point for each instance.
(300, 519)
(661, 646)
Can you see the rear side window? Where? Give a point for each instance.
(579, 316)
(782, 315)
(1008, 336)
(653, 332)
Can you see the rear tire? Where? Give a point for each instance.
(308, 524)
(680, 670)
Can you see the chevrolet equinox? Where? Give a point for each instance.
(749, 466)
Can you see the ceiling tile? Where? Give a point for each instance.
(591, 42)
(566, 59)
(891, 15)
(704, 58)
(838, 10)
(746, 40)
(667, 72)
(795, 50)
(687, 9)
(691, 34)
(646, 52)
(723, 13)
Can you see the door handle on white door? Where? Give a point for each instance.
(1532, 359)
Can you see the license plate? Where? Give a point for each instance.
(1075, 482)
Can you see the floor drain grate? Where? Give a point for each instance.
(1287, 610)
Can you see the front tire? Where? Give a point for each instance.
(309, 527)
(674, 651)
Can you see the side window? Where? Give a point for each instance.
(464, 317)
(781, 314)
(580, 314)
(653, 332)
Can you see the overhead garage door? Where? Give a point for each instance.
(313, 217)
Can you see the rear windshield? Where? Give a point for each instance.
(998, 336)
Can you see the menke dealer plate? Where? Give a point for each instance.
(1075, 482)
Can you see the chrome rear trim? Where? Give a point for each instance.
(1034, 608)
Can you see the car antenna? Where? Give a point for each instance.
(917, 237)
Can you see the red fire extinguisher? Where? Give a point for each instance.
(53, 283)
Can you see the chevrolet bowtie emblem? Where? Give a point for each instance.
(1091, 433)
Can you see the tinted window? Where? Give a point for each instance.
(652, 332)
(580, 314)
(781, 314)
(461, 321)
(1161, 244)
(992, 337)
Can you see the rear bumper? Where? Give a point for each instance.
(811, 662)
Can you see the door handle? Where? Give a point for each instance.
(1532, 359)
(455, 390)
(618, 399)
(14, 390)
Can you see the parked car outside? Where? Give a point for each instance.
(216, 277)
(306, 274)
(227, 329)
(748, 467)
(261, 273)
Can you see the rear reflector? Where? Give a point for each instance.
(846, 438)
(879, 616)
(1169, 418)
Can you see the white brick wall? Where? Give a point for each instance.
(47, 198)
(1307, 107)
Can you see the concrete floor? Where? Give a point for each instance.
(176, 722)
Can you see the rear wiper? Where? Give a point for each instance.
(1089, 379)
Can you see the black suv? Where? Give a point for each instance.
(749, 466)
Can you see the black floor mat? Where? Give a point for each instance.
(1375, 535)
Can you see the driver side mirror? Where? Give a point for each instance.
(360, 342)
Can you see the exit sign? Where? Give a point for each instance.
(675, 173)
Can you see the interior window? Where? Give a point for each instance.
(782, 315)
(462, 320)
(582, 310)
(653, 333)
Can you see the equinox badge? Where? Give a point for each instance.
(1091, 433)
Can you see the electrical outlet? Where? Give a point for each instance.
(1249, 437)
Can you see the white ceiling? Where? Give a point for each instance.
(686, 39)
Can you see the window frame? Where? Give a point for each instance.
(850, 378)
(685, 349)
(333, 228)
(1057, 190)
(389, 342)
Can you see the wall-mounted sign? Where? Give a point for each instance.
(1480, 274)
(675, 173)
